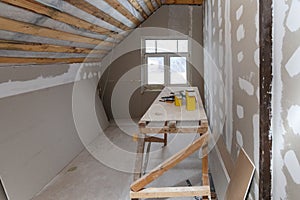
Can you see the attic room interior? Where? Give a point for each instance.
(149, 99)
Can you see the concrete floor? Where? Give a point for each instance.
(86, 178)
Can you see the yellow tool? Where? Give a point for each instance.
(178, 100)
(190, 100)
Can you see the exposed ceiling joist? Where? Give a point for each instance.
(121, 9)
(89, 8)
(158, 2)
(10, 45)
(183, 2)
(149, 5)
(139, 8)
(39, 8)
(22, 27)
(19, 60)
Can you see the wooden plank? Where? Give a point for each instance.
(155, 139)
(139, 8)
(162, 130)
(149, 5)
(169, 163)
(18, 60)
(139, 158)
(22, 27)
(8, 45)
(183, 2)
(171, 192)
(48, 11)
(89, 8)
(119, 7)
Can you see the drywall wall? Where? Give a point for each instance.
(286, 100)
(186, 20)
(38, 134)
(231, 75)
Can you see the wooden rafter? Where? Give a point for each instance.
(149, 5)
(46, 60)
(183, 2)
(158, 2)
(10, 45)
(22, 27)
(169, 163)
(139, 8)
(120, 8)
(42, 9)
(89, 8)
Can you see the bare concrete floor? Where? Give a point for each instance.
(102, 172)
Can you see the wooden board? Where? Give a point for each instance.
(18, 60)
(169, 163)
(139, 8)
(42, 9)
(241, 178)
(139, 158)
(171, 192)
(184, 2)
(22, 27)
(149, 5)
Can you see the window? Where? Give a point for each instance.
(165, 62)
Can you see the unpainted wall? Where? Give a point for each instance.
(38, 136)
(286, 100)
(186, 20)
(231, 75)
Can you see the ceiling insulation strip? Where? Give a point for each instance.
(89, 8)
(21, 27)
(11, 45)
(18, 60)
(120, 8)
(39, 8)
(139, 8)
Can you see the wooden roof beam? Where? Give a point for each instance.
(22, 27)
(158, 2)
(18, 60)
(182, 2)
(36, 47)
(89, 8)
(139, 8)
(149, 5)
(39, 8)
(121, 9)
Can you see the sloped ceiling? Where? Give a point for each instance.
(69, 31)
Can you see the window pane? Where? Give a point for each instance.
(178, 70)
(150, 46)
(156, 70)
(167, 46)
(183, 46)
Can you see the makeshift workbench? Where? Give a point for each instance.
(172, 120)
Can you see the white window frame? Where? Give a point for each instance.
(167, 73)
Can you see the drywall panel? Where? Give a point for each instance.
(231, 78)
(174, 21)
(286, 100)
(39, 135)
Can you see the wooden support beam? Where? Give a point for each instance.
(27, 28)
(139, 8)
(48, 11)
(89, 8)
(121, 9)
(9, 45)
(171, 192)
(139, 159)
(183, 2)
(169, 163)
(19, 60)
(149, 5)
(162, 130)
